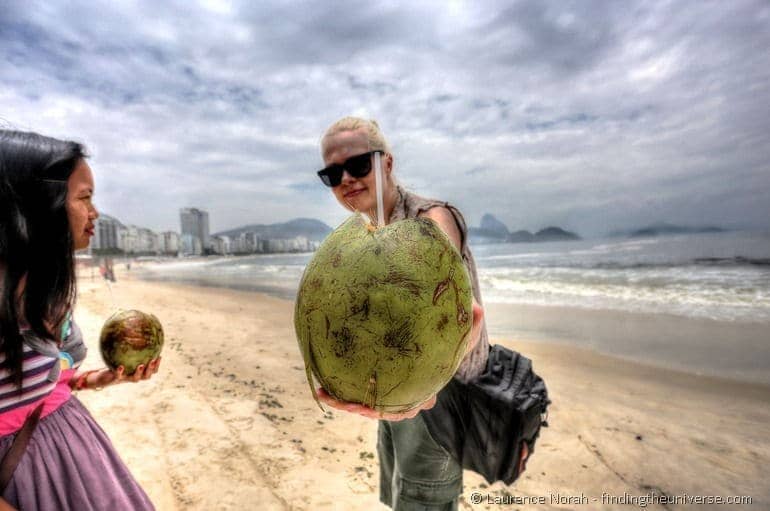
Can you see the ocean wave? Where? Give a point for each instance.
(732, 261)
(723, 262)
(717, 293)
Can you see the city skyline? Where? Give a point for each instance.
(113, 237)
(593, 116)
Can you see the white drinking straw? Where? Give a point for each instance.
(378, 185)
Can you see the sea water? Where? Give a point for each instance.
(698, 303)
(722, 276)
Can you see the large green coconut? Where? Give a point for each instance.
(383, 315)
(129, 339)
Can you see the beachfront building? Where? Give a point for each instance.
(168, 243)
(220, 245)
(299, 244)
(195, 223)
(147, 241)
(190, 245)
(128, 239)
(250, 243)
(296, 244)
(138, 240)
(237, 245)
(106, 235)
(245, 243)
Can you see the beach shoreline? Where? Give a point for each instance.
(229, 419)
(733, 349)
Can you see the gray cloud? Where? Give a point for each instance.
(591, 115)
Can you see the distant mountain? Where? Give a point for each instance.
(308, 227)
(493, 230)
(555, 234)
(547, 234)
(665, 229)
(492, 224)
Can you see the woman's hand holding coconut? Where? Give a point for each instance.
(97, 379)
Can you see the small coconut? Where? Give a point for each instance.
(130, 338)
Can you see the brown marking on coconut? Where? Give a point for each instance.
(399, 338)
(462, 314)
(442, 323)
(363, 308)
(401, 279)
(315, 283)
(336, 259)
(343, 342)
(440, 288)
(414, 254)
(424, 230)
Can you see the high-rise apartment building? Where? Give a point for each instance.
(195, 225)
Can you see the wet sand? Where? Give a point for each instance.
(229, 422)
(729, 349)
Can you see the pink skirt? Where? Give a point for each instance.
(70, 464)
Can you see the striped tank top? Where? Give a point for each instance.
(46, 369)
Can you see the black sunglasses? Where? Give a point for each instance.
(356, 166)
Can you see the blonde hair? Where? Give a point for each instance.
(373, 134)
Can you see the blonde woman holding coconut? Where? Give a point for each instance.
(415, 471)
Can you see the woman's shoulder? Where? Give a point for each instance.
(416, 204)
(449, 218)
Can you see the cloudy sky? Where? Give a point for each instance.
(589, 115)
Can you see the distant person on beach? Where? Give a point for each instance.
(54, 455)
(415, 472)
(107, 270)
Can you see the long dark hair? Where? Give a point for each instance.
(35, 238)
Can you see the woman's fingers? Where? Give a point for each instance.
(138, 374)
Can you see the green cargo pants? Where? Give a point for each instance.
(415, 472)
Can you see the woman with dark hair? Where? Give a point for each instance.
(54, 455)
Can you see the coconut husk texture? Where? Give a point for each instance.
(382, 315)
(130, 338)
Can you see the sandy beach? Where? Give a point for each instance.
(229, 423)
